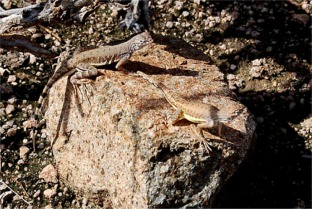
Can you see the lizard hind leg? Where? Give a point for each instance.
(83, 77)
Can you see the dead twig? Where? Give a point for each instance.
(50, 32)
(28, 203)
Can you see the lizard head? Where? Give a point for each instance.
(141, 40)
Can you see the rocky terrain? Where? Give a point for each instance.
(263, 48)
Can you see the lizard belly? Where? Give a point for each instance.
(193, 119)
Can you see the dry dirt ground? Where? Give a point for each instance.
(264, 50)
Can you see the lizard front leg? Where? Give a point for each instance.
(198, 130)
(122, 61)
(177, 115)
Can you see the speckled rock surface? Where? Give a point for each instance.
(121, 151)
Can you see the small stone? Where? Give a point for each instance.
(256, 62)
(37, 193)
(11, 132)
(169, 24)
(260, 119)
(32, 59)
(90, 31)
(11, 78)
(2, 186)
(12, 100)
(185, 13)
(23, 151)
(2, 130)
(49, 174)
(84, 201)
(230, 76)
(269, 49)
(9, 109)
(233, 67)
(178, 5)
(48, 193)
(218, 19)
(3, 71)
(20, 162)
(223, 47)
(255, 72)
(292, 105)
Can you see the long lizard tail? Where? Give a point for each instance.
(149, 79)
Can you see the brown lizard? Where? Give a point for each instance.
(81, 66)
(204, 115)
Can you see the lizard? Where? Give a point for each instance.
(81, 66)
(203, 114)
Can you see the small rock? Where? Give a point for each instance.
(256, 62)
(178, 5)
(233, 67)
(2, 186)
(2, 130)
(255, 72)
(32, 59)
(37, 193)
(20, 162)
(3, 71)
(260, 119)
(302, 18)
(11, 78)
(11, 132)
(185, 13)
(9, 109)
(49, 174)
(23, 151)
(230, 76)
(292, 105)
(269, 49)
(48, 193)
(12, 100)
(169, 24)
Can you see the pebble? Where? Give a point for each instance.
(48, 193)
(256, 62)
(9, 109)
(37, 193)
(292, 105)
(23, 151)
(233, 67)
(20, 162)
(2, 130)
(84, 201)
(185, 13)
(169, 24)
(11, 78)
(49, 174)
(2, 187)
(32, 59)
(11, 132)
(255, 72)
(260, 119)
(12, 100)
(178, 5)
(3, 71)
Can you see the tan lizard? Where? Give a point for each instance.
(81, 66)
(204, 115)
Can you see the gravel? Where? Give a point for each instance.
(261, 47)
